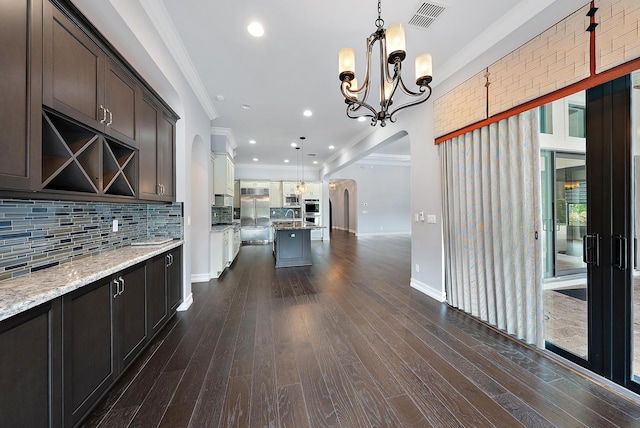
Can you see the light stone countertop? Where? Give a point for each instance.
(222, 227)
(295, 225)
(25, 292)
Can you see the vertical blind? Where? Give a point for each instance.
(491, 220)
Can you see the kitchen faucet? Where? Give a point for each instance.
(287, 212)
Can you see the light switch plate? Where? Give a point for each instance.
(115, 225)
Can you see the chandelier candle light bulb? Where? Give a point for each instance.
(423, 69)
(396, 46)
(392, 46)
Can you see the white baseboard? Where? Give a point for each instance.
(383, 233)
(437, 294)
(188, 301)
(200, 277)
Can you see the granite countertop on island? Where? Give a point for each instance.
(294, 225)
(28, 291)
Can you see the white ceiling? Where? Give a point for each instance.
(294, 66)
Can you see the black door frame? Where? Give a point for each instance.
(609, 195)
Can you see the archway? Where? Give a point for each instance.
(200, 211)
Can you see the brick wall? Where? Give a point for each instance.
(617, 33)
(464, 105)
(553, 60)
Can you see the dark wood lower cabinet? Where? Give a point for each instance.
(30, 382)
(157, 298)
(89, 366)
(174, 278)
(131, 315)
(58, 359)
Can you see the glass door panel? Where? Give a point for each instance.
(564, 206)
(566, 292)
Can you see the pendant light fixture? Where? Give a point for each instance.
(302, 187)
(297, 189)
(392, 53)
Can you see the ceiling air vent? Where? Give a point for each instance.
(425, 15)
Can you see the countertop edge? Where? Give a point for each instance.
(17, 295)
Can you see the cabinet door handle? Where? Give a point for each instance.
(169, 260)
(171, 255)
(104, 114)
(115, 281)
(162, 187)
(122, 282)
(158, 189)
(110, 117)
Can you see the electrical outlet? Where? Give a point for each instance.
(115, 225)
(431, 218)
(417, 267)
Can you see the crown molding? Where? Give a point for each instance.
(164, 25)
(225, 132)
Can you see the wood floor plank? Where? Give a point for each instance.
(209, 407)
(291, 407)
(154, 405)
(264, 407)
(320, 408)
(286, 366)
(407, 411)
(378, 412)
(237, 403)
(119, 418)
(348, 407)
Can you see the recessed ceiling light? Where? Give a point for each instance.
(315, 162)
(362, 119)
(256, 29)
(286, 161)
(308, 113)
(332, 147)
(294, 145)
(246, 106)
(255, 159)
(219, 97)
(252, 141)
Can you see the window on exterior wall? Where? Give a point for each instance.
(577, 122)
(546, 119)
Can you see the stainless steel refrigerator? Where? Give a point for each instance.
(255, 221)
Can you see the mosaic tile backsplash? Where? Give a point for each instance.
(36, 234)
(221, 215)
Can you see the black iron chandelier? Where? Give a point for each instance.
(392, 53)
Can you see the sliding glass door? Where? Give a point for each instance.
(590, 201)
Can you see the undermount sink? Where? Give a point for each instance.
(151, 241)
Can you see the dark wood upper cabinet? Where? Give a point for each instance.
(156, 154)
(21, 88)
(120, 102)
(81, 81)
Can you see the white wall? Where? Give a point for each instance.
(425, 195)
(383, 198)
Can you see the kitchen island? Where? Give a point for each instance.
(292, 243)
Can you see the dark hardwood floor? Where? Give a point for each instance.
(345, 342)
